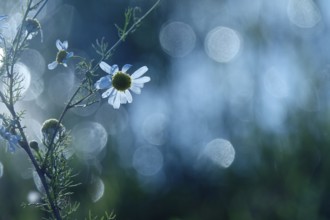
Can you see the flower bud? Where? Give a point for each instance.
(34, 145)
(52, 129)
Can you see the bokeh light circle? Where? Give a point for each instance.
(96, 190)
(177, 39)
(275, 83)
(303, 13)
(147, 161)
(23, 74)
(222, 44)
(38, 183)
(2, 54)
(89, 139)
(221, 152)
(60, 87)
(1, 169)
(154, 128)
(33, 197)
(114, 120)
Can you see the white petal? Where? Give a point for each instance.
(126, 67)
(103, 83)
(142, 79)
(139, 72)
(128, 96)
(52, 65)
(69, 55)
(123, 99)
(135, 89)
(61, 46)
(58, 44)
(140, 85)
(116, 102)
(105, 67)
(65, 45)
(114, 69)
(65, 65)
(112, 97)
(107, 93)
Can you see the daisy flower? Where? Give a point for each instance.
(118, 83)
(32, 28)
(62, 55)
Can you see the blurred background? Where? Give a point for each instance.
(233, 125)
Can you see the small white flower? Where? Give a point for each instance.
(62, 55)
(118, 83)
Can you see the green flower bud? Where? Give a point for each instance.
(34, 145)
(48, 130)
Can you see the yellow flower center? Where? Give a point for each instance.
(121, 81)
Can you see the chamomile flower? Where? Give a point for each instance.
(118, 83)
(62, 55)
(33, 28)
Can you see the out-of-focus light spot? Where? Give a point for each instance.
(177, 39)
(89, 139)
(38, 183)
(36, 63)
(275, 107)
(114, 120)
(2, 54)
(33, 197)
(96, 190)
(21, 164)
(154, 128)
(147, 161)
(303, 13)
(1, 169)
(24, 75)
(221, 152)
(11, 25)
(34, 60)
(37, 86)
(222, 44)
(60, 87)
(275, 83)
(240, 86)
(34, 129)
(84, 110)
